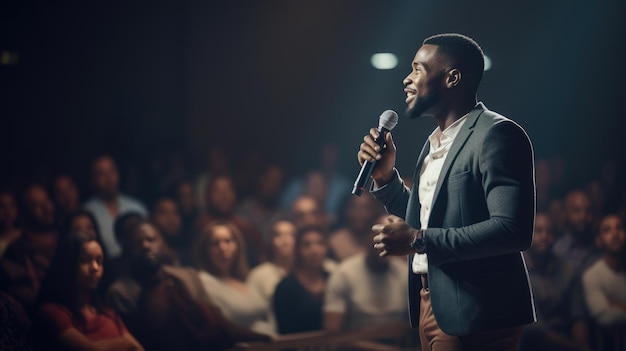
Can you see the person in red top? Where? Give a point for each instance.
(70, 315)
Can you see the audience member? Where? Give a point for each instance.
(358, 216)
(264, 277)
(71, 315)
(186, 200)
(108, 203)
(324, 182)
(9, 227)
(551, 280)
(166, 307)
(366, 290)
(81, 221)
(604, 282)
(220, 256)
(299, 298)
(260, 208)
(216, 163)
(66, 196)
(306, 211)
(14, 324)
(558, 216)
(221, 202)
(576, 246)
(165, 216)
(26, 261)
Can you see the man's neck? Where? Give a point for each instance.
(453, 112)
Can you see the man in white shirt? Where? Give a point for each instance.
(470, 212)
(108, 203)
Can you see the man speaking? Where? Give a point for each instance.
(470, 211)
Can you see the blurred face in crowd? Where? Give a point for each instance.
(82, 223)
(316, 186)
(306, 211)
(105, 177)
(361, 212)
(222, 196)
(90, 267)
(8, 211)
(146, 246)
(166, 217)
(39, 211)
(611, 236)
(557, 214)
(542, 234)
(579, 215)
(312, 249)
(223, 248)
(66, 194)
(284, 239)
(270, 184)
(186, 198)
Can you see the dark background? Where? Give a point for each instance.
(140, 79)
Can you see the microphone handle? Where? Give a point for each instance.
(366, 169)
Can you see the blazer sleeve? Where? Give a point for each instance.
(394, 196)
(506, 166)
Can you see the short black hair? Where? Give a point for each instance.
(463, 52)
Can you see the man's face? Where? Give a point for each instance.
(579, 215)
(39, 208)
(612, 236)
(167, 218)
(105, 177)
(66, 193)
(222, 196)
(146, 246)
(542, 234)
(423, 84)
(307, 212)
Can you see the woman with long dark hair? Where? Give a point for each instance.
(70, 314)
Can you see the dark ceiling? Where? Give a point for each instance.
(284, 77)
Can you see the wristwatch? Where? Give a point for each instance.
(419, 243)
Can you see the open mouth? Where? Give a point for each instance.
(410, 95)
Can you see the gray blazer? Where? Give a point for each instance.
(481, 219)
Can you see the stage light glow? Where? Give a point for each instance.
(384, 60)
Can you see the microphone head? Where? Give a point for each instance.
(388, 119)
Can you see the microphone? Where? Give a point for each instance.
(386, 122)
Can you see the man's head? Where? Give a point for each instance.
(166, 216)
(147, 248)
(543, 236)
(37, 208)
(446, 67)
(611, 236)
(105, 177)
(579, 217)
(66, 194)
(307, 211)
(221, 195)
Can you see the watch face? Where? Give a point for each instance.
(419, 244)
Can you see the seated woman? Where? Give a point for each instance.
(264, 277)
(220, 256)
(70, 314)
(299, 298)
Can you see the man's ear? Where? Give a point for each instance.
(453, 78)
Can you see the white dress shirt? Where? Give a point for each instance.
(440, 143)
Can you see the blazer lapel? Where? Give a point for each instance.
(457, 145)
(413, 207)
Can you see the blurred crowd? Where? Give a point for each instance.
(202, 261)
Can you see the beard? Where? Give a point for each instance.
(423, 103)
